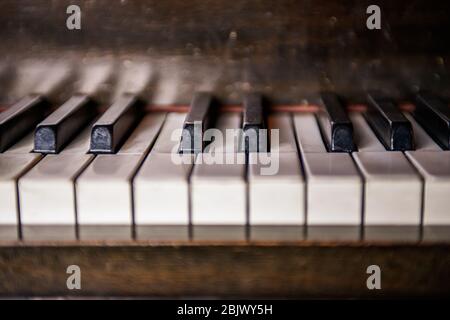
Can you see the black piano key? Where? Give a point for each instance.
(53, 133)
(197, 121)
(253, 122)
(114, 126)
(433, 114)
(20, 119)
(389, 124)
(337, 129)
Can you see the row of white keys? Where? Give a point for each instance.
(334, 187)
(14, 163)
(47, 193)
(104, 189)
(276, 186)
(218, 190)
(433, 163)
(392, 188)
(161, 187)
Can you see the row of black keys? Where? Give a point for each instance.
(386, 120)
(113, 127)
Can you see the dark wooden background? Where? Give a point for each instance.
(287, 49)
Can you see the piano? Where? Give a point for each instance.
(217, 149)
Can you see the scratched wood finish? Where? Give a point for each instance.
(301, 270)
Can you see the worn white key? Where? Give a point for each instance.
(276, 190)
(104, 196)
(308, 134)
(276, 186)
(365, 138)
(433, 164)
(143, 136)
(334, 187)
(231, 138)
(12, 166)
(286, 136)
(169, 138)
(161, 195)
(218, 191)
(104, 190)
(47, 192)
(393, 190)
(161, 190)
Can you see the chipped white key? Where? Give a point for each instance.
(334, 187)
(47, 192)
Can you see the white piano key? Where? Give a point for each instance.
(283, 123)
(365, 138)
(231, 139)
(143, 136)
(434, 166)
(47, 196)
(334, 190)
(422, 140)
(218, 193)
(308, 134)
(47, 192)
(218, 190)
(104, 196)
(334, 187)
(12, 166)
(169, 138)
(276, 198)
(161, 190)
(393, 190)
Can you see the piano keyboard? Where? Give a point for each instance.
(379, 174)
